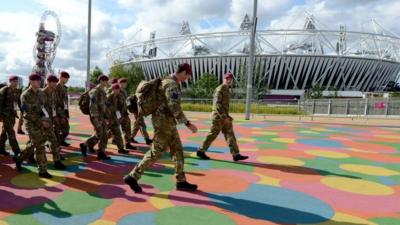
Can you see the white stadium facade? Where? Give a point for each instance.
(290, 61)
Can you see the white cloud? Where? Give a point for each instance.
(137, 18)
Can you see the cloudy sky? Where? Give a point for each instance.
(119, 21)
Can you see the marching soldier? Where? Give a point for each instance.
(97, 108)
(9, 104)
(36, 120)
(50, 100)
(113, 100)
(164, 120)
(221, 121)
(125, 120)
(62, 119)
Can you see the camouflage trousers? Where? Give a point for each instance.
(61, 128)
(51, 138)
(126, 128)
(100, 135)
(7, 131)
(139, 125)
(35, 145)
(227, 129)
(116, 133)
(164, 137)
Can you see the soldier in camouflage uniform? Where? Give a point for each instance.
(50, 100)
(98, 118)
(36, 120)
(221, 121)
(164, 120)
(113, 100)
(125, 120)
(61, 124)
(9, 104)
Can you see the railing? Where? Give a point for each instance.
(351, 107)
(315, 107)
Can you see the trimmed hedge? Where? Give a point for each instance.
(240, 108)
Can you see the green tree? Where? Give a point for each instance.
(132, 72)
(94, 74)
(316, 92)
(205, 86)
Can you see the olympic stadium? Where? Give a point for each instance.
(291, 60)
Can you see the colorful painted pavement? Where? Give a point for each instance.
(298, 173)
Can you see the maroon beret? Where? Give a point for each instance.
(34, 77)
(186, 67)
(102, 78)
(228, 75)
(115, 87)
(64, 74)
(114, 80)
(13, 78)
(52, 78)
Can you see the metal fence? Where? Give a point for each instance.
(351, 107)
(323, 107)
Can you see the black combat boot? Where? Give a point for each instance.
(239, 157)
(83, 147)
(186, 186)
(45, 175)
(129, 146)
(65, 144)
(202, 155)
(123, 151)
(59, 165)
(17, 163)
(133, 184)
(102, 155)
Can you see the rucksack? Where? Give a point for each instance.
(147, 96)
(84, 102)
(131, 103)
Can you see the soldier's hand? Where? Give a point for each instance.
(193, 128)
(227, 120)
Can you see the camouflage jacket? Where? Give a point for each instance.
(9, 102)
(62, 100)
(170, 106)
(32, 104)
(49, 101)
(221, 103)
(113, 104)
(98, 100)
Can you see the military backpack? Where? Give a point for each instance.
(147, 96)
(84, 102)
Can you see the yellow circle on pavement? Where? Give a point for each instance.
(369, 170)
(357, 186)
(32, 180)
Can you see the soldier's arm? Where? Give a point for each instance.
(93, 109)
(218, 101)
(173, 97)
(29, 108)
(2, 99)
(60, 103)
